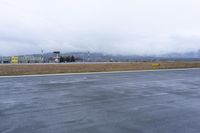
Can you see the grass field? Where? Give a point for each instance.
(30, 69)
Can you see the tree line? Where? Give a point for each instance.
(67, 59)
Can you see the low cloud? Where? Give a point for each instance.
(114, 27)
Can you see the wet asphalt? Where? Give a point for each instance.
(145, 102)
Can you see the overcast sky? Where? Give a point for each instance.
(141, 27)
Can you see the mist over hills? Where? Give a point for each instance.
(183, 55)
(100, 57)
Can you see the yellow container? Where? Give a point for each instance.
(15, 60)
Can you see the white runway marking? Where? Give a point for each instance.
(109, 72)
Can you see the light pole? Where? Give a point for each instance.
(1, 59)
(42, 51)
(88, 56)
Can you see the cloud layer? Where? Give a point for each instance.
(110, 26)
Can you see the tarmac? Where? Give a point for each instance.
(121, 102)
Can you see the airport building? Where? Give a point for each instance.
(54, 57)
(5, 59)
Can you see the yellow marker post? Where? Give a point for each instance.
(155, 65)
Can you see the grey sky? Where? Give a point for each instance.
(109, 26)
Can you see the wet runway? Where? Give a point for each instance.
(144, 102)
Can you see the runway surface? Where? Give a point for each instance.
(144, 102)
